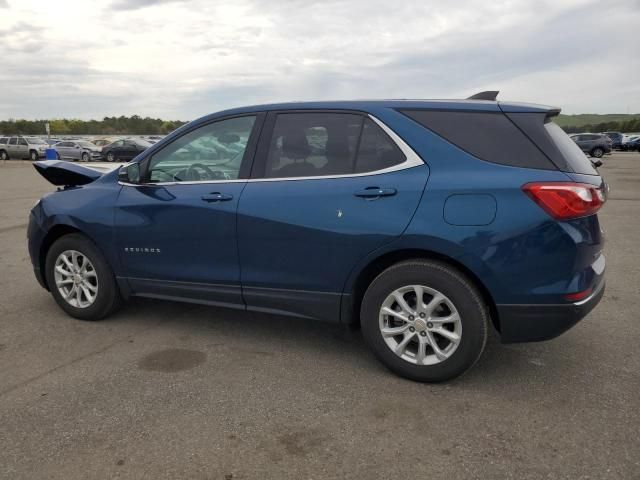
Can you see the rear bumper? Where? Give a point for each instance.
(534, 323)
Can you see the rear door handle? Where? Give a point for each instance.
(375, 192)
(216, 197)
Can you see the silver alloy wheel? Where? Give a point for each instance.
(76, 279)
(4, 156)
(110, 157)
(34, 156)
(420, 325)
(85, 157)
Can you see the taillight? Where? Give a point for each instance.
(566, 200)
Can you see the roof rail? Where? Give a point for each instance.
(488, 95)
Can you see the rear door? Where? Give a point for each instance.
(63, 150)
(22, 148)
(327, 189)
(129, 150)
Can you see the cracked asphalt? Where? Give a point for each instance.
(168, 390)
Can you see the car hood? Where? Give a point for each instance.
(68, 174)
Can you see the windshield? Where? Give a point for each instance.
(142, 143)
(86, 144)
(36, 141)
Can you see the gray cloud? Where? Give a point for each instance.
(179, 62)
(137, 4)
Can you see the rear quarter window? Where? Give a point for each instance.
(576, 159)
(490, 136)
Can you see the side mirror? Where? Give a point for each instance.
(597, 163)
(129, 173)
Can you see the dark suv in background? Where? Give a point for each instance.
(616, 139)
(593, 144)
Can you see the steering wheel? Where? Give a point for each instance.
(193, 174)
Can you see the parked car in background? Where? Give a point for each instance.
(52, 141)
(616, 139)
(103, 142)
(23, 147)
(424, 222)
(593, 144)
(634, 143)
(78, 150)
(124, 150)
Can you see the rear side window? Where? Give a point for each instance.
(486, 135)
(3, 140)
(571, 152)
(323, 144)
(376, 151)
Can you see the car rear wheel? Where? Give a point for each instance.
(111, 157)
(80, 279)
(424, 320)
(85, 157)
(3, 155)
(597, 152)
(33, 155)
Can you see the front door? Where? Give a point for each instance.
(329, 189)
(176, 231)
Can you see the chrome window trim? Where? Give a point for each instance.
(412, 159)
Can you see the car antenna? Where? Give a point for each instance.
(488, 95)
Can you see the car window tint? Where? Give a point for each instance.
(490, 136)
(376, 151)
(13, 141)
(211, 152)
(313, 144)
(22, 141)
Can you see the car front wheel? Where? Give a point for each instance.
(80, 279)
(85, 157)
(424, 320)
(111, 157)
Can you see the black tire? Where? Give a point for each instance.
(33, 155)
(597, 152)
(4, 155)
(465, 297)
(57, 156)
(111, 157)
(85, 157)
(108, 298)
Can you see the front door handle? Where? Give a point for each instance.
(216, 197)
(375, 192)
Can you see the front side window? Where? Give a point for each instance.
(22, 141)
(327, 144)
(211, 152)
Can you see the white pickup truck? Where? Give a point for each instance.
(20, 147)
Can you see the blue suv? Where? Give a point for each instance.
(425, 222)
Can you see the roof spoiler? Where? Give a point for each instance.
(488, 95)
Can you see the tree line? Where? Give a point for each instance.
(626, 126)
(134, 125)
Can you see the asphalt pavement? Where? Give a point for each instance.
(168, 390)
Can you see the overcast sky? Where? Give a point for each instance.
(179, 59)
